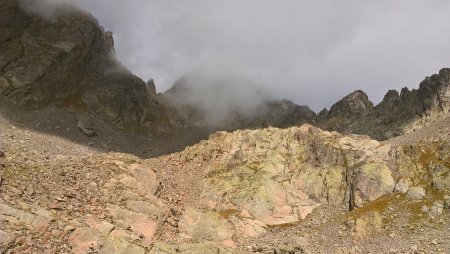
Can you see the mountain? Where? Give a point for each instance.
(46, 62)
(258, 189)
(231, 104)
(68, 60)
(355, 113)
(396, 114)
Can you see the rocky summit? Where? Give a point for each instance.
(87, 164)
(68, 60)
(396, 114)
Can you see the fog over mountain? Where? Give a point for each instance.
(312, 52)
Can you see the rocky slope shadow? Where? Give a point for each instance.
(58, 123)
(264, 191)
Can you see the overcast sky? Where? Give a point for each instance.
(312, 52)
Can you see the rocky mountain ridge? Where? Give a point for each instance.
(299, 189)
(396, 114)
(47, 62)
(68, 60)
(263, 110)
(355, 113)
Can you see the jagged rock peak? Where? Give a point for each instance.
(391, 96)
(68, 60)
(151, 87)
(355, 104)
(434, 91)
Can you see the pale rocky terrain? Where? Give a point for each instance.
(295, 190)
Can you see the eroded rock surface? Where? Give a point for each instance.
(240, 185)
(240, 192)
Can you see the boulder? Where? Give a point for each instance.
(441, 177)
(86, 125)
(6, 239)
(402, 186)
(416, 193)
(84, 240)
(373, 181)
(367, 224)
(204, 226)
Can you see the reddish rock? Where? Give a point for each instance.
(84, 239)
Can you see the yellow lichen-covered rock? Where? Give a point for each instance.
(366, 224)
(204, 226)
(120, 246)
(190, 248)
(373, 181)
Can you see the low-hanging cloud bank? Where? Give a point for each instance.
(213, 98)
(312, 52)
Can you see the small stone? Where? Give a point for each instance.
(15, 190)
(5, 240)
(434, 242)
(83, 239)
(437, 208)
(56, 233)
(239, 155)
(69, 228)
(2, 154)
(86, 126)
(416, 193)
(29, 190)
(56, 206)
(424, 209)
(172, 222)
(402, 186)
(60, 199)
(447, 202)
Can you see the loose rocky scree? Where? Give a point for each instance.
(295, 190)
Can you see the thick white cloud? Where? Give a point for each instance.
(312, 52)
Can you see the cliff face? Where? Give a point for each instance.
(68, 60)
(396, 114)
